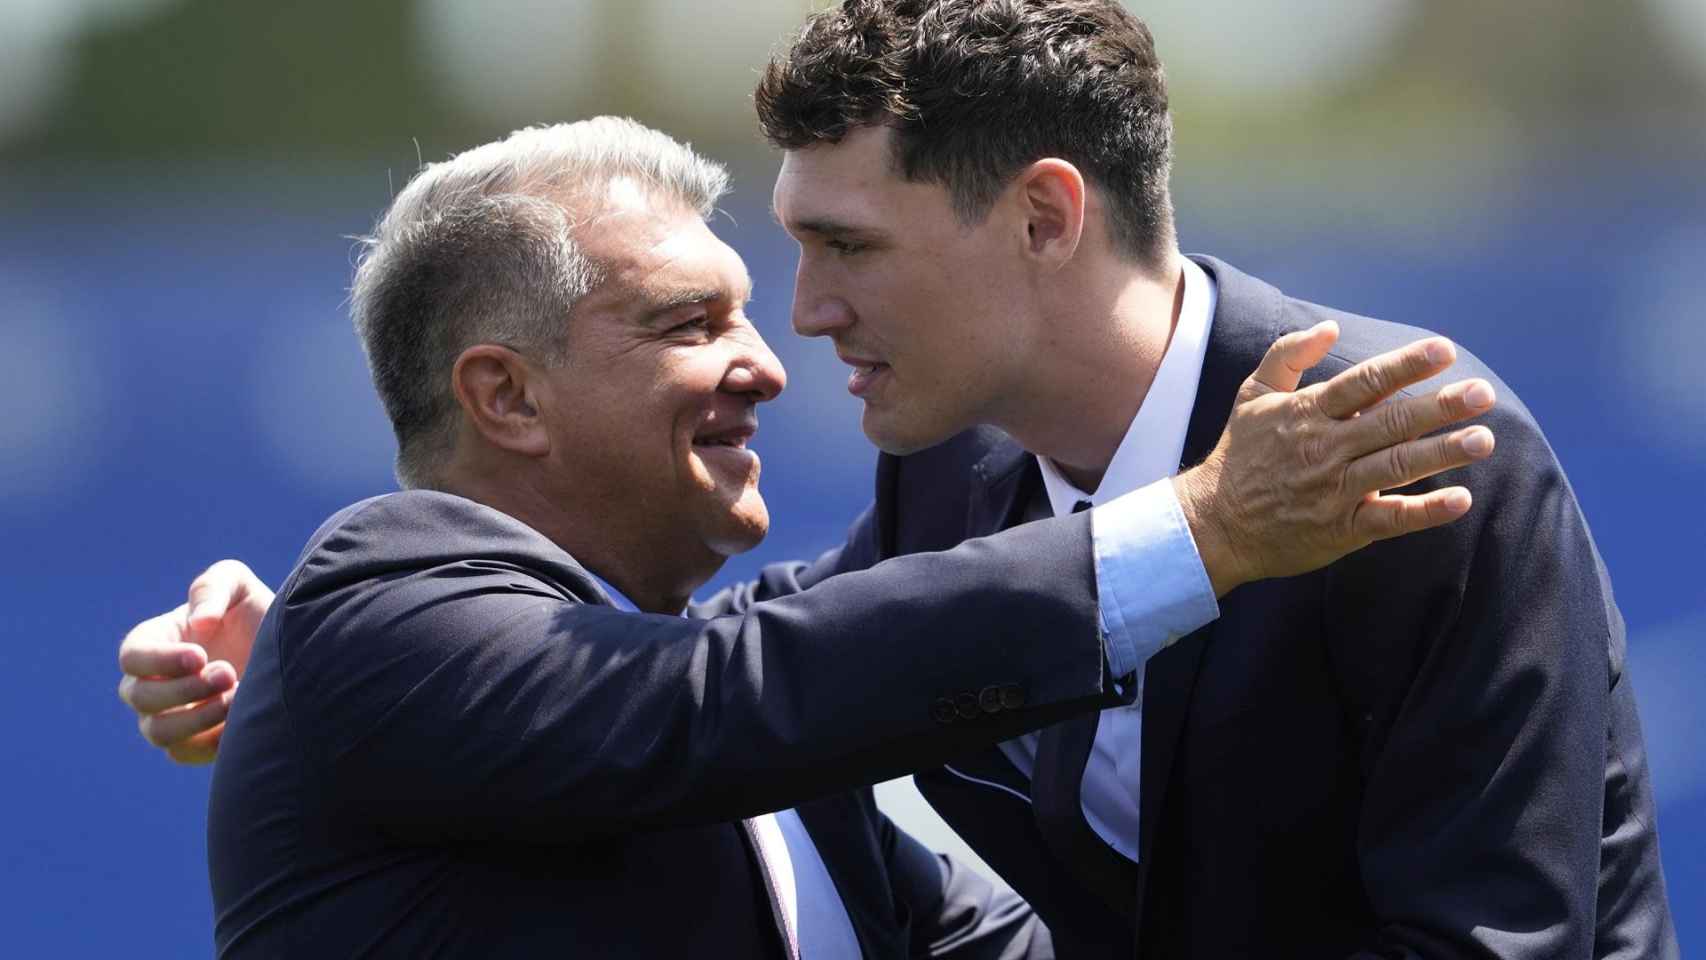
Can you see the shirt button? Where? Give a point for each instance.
(943, 710)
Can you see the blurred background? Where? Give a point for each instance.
(179, 180)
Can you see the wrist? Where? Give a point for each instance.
(1195, 489)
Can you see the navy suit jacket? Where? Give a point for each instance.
(1427, 749)
(448, 744)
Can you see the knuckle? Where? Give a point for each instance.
(1398, 462)
(1372, 378)
(1443, 451)
(1314, 448)
(1397, 420)
(1450, 404)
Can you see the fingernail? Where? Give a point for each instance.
(1479, 394)
(1478, 442)
(1457, 501)
(1439, 351)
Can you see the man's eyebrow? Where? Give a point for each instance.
(660, 302)
(831, 227)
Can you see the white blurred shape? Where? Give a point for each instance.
(33, 77)
(1263, 50)
(1682, 23)
(902, 803)
(35, 47)
(312, 402)
(509, 56)
(1668, 669)
(1661, 333)
(707, 53)
(52, 391)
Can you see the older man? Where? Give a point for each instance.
(452, 738)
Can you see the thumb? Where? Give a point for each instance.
(212, 593)
(1283, 366)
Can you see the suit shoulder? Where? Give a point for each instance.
(1361, 338)
(415, 530)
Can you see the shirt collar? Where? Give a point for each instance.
(1156, 438)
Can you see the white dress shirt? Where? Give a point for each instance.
(1147, 456)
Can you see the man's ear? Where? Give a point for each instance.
(1050, 194)
(495, 387)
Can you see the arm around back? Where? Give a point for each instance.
(441, 671)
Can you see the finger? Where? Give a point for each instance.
(1405, 463)
(199, 749)
(1407, 418)
(157, 696)
(1377, 378)
(1282, 367)
(212, 593)
(1380, 518)
(173, 727)
(160, 647)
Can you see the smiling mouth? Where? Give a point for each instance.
(733, 437)
(864, 377)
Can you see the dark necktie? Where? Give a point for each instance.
(1063, 750)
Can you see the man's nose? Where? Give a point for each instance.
(755, 371)
(817, 314)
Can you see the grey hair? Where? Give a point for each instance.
(480, 248)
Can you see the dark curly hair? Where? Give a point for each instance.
(977, 89)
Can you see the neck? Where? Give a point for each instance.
(1098, 362)
(656, 578)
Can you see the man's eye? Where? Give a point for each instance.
(844, 247)
(695, 325)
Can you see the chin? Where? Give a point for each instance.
(741, 529)
(900, 438)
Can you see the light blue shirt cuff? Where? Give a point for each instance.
(1150, 580)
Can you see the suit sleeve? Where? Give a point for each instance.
(1484, 764)
(462, 698)
(781, 579)
(957, 913)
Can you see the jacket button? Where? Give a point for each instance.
(966, 705)
(990, 699)
(1012, 696)
(943, 710)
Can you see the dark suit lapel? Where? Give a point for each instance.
(1063, 750)
(1247, 318)
(1006, 479)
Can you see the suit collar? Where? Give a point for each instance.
(1247, 319)
(1004, 481)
